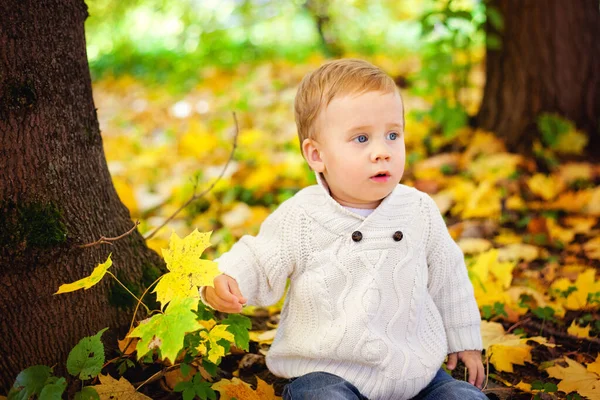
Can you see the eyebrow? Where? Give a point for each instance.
(388, 126)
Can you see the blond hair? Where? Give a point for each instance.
(333, 79)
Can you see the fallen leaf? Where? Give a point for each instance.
(265, 337)
(579, 331)
(505, 349)
(595, 366)
(546, 187)
(519, 251)
(575, 378)
(112, 389)
(474, 245)
(585, 284)
(240, 390)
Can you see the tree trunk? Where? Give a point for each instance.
(549, 61)
(55, 192)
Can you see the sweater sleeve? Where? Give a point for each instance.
(449, 285)
(261, 264)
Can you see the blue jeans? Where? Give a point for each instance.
(326, 386)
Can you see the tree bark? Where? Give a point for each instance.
(549, 61)
(55, 192)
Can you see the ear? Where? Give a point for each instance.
(310, 149)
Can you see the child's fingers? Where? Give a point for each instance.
(235, 289)
(480, 376)
(452, 359)
(476, 372)
(219, 304)
(223, 291)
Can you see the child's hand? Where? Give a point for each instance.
(225, 296)
(472, 361)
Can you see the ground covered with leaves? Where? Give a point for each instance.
(528, 225)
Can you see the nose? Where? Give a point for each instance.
(380, 152)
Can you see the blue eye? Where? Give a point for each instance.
(361, 139)
(393, 136)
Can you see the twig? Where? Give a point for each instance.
(140, 301)
(105, 240)
(197, 196)
(520, 322)
(157, 375)
(128, 291)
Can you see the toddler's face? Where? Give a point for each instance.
(359, 147)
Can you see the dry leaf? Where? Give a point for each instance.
(474, 245)
(576, 378)
(240, 390)
(579, 331)
(112, 389)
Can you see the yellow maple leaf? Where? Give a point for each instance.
(595, 366)
(240, 390)
(484, 202)
(494, 167)
(546, 187)
(505, 349)
(491, 278)
(121, 389)
(216, 351)
(187, 270)
(576, 378)
(87, 282)
(556, 231)
(585, 284)
(579, 331)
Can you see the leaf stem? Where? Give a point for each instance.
(140, 302)
(128, 291)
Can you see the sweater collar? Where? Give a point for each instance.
(337, 206)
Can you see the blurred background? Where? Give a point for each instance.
(168, 76)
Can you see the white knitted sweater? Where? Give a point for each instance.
(379, 312)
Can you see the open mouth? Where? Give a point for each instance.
(381, 177)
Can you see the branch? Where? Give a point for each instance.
(105, 240)
(200, 195)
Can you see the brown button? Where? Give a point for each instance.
(356, 236)
(398, 235)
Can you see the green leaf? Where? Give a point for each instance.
(86, 359)
(239, 326)
(552, 126)
(167, 331)
(185, 369)
(537, 385)
(87, 393)
(202, 388)
(211, 368)
(550, 387)
(189, 393)
(204, 313)
(53, 391)
(30, 382)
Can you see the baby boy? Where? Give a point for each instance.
(379, 293)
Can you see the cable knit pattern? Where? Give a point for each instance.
(378, 312)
